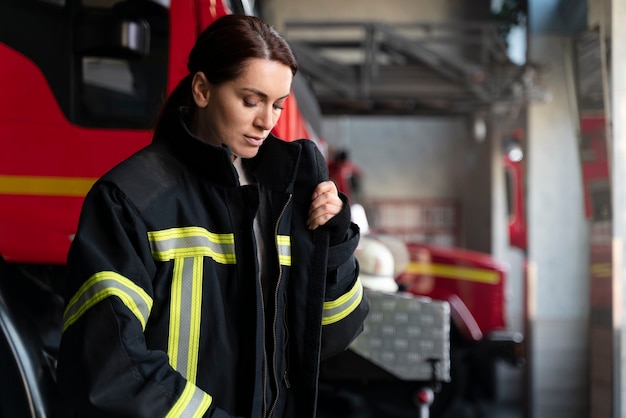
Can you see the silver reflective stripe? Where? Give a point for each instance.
(103, 285)
(185, 313)
(283, 243)
(193, 403)
(336, 310)
(190, 242)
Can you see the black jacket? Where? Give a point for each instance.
(165, 309)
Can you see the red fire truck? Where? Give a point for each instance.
(81, 82)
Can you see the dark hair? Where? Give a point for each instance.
(221, 52)
(225, 45)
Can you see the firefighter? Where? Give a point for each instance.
(347, 175)
(212, 270)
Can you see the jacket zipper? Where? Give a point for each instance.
(280, 276)
(265, 368)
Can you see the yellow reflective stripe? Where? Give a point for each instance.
(192, 403)
(283, 243)
(192, 241)
(45, 185)
(102, 285)
(185, 312)
(341, 307)
(471, 274)
(175, 306)
(194, 320)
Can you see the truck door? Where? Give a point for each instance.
(82, 82)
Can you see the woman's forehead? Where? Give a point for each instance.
(265, 78)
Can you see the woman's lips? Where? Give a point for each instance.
(256, 141)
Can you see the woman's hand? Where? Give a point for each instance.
(325, 204)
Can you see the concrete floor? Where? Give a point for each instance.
(486, 410)
(348, 405)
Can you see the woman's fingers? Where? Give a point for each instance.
(325, 204)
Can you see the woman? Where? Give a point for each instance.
(213, 269)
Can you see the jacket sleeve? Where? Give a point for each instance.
(105, 368)
(345, 303)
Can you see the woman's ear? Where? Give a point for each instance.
(200, 89)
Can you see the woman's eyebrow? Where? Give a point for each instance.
(261, 94)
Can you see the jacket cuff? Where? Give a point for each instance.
(338, 225)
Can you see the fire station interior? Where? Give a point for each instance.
(427, 98)
(490, 132)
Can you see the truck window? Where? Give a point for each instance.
(119, 88)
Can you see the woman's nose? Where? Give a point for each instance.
(265, 118)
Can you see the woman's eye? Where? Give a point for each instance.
(279, 105)
(249, 103)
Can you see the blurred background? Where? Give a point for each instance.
(480, 143)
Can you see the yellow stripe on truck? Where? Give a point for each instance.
(45, 186)
(471, 274)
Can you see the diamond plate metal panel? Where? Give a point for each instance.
(402, 332)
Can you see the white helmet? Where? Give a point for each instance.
(376, 265)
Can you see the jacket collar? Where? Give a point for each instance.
(275, 165)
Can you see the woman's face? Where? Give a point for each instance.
(242, 112)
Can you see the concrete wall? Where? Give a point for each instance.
(428, 158)
(618, 67)
(403, 157)
(558, 243)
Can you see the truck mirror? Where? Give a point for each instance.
(112, 36)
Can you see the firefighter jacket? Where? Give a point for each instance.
(167, 311)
